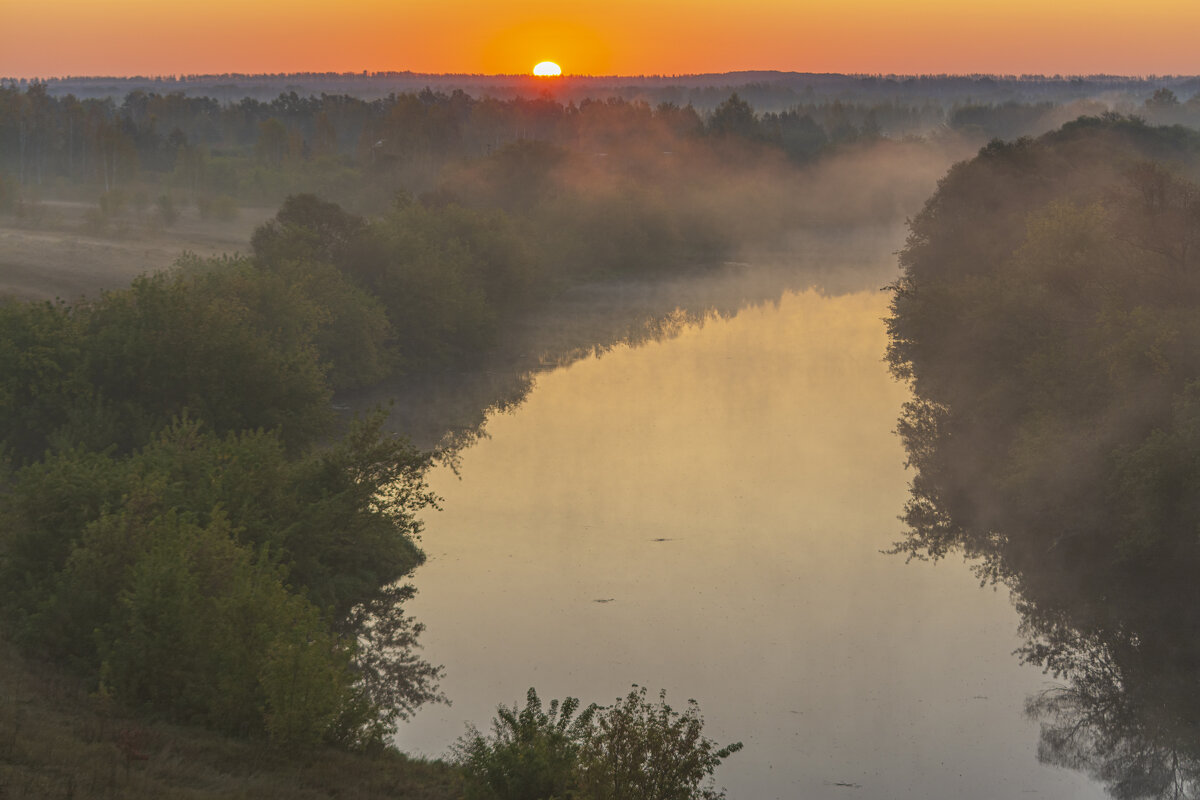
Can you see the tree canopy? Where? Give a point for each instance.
(1046, 318)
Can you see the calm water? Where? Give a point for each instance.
(727, 493)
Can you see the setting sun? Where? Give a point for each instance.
(547, 69)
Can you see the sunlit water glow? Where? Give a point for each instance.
(726, 494)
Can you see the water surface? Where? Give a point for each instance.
(705, 514)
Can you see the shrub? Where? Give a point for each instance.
(531, 754)
(651, 752)
(631, 749)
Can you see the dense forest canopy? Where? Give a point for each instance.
(219, 150)
(1047, 319)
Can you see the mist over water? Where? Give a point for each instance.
(705, 514)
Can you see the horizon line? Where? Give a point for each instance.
(185, 77)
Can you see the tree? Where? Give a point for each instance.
(40, 354)
(211, 578)
(1046, 319)
(1162, 98)
(231, 344)
(272, 144)
(734, 117)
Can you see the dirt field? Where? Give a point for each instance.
(58, 257)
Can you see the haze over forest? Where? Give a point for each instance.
(251, 324)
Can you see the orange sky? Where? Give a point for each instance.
(163, 37)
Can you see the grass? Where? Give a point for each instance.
(57, 740)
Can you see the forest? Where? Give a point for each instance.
(1046, 318)
(157, 147)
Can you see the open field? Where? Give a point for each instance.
(54, 254)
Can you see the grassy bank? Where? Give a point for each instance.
(59, 741)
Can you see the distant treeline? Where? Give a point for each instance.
(605, 186)
(767, 90)
(198, 145)
(1048, 319)
(221, 153)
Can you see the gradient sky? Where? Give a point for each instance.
(164, 37)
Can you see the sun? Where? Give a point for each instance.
(547, 69)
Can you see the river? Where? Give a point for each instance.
(705, 514)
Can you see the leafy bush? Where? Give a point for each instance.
(531, 754)
(651, 752)
(631, 749)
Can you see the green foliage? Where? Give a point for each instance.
(446, 275)
(218, 580)
(307, 682)
(443, 277)
(41, 356)
(353, 339)
(1047, 320)
(63, 738)
(313, 245)
(1047, 310)
(229, 344)
(649, 750)
(734, 117)
(633, 748)
(307, 228)
(357, 533)
(531, 754)
(220, 340)
(521, 175)
(45, 509)
(185, 621)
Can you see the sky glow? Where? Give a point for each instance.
(55, 38)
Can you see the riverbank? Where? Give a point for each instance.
(59, 740)
(448, 409)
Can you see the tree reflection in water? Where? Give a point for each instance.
(1047, 321)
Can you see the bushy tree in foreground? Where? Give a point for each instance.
(631, 749)
(530, 754)
(650, 751)
(214, 579)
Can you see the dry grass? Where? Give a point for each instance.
(59, 741)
